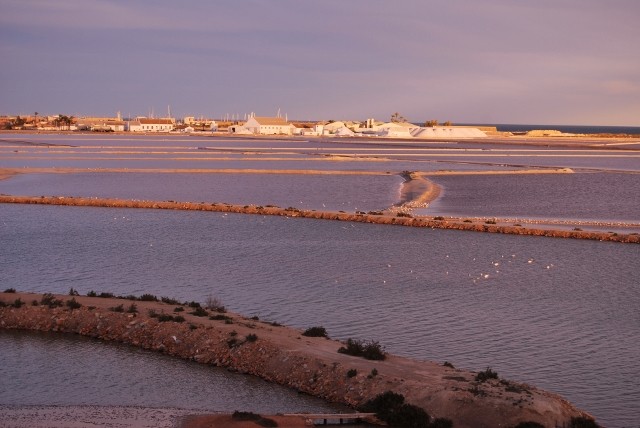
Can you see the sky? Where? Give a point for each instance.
(574, 62)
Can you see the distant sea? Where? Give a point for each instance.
(573, 129)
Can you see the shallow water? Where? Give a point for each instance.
(612, 197)
(561, 314)
(67, 370)
(547, 311)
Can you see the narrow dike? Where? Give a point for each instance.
(398, 218)
(285, 356)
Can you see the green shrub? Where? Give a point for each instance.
(178, 318)
(73, 304)
(178, 309)
(368, 350)
(10, 290)
(255, 318)
(169, 301)
(132, 309)
(583, 422)
(374, 373)
(352, 373)
(49, 300)
(92, 294)
(106, 295)
(438, 217)
(490, 222)
(119, 308)
(148, 298)
(214, 304)
(391, 408)
(315, 332)
(200, 312)
(251, 337)
(529, 424)
(448, 364)
(17, 303)
(441, 423)
(165, 318)
(219, 317)
(73, 292)
(152, 313)
(486, 375)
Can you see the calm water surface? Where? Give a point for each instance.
(561, 314)
(66, 370)
(583, 196)
(547, 311)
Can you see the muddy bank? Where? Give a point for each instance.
(284, 356)
(399, 219)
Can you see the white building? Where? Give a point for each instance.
(268, 126)
(144, 124)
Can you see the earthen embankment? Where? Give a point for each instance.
(284, 356)
(492, 226)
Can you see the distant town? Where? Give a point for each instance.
(396, 127)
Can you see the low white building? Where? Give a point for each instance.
(268, 126)
(144, 124)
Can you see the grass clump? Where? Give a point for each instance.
(219, 317)
(486, 375)
(316, 332)
(214, 304)
(132, 309)
(352, 373)
(251, 337)
(10, 290)
(18, 303)
(369, 350)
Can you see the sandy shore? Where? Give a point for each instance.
(126, 417)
